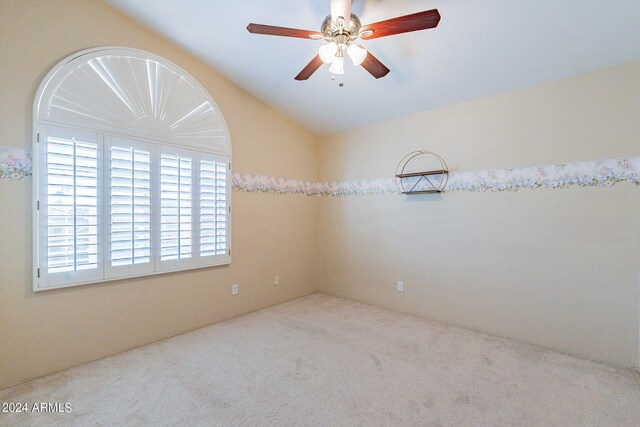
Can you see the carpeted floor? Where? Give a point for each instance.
(325, 361)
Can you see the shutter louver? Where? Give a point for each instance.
(130, 214)
(175, 207)
(213, 208)
(72, 205)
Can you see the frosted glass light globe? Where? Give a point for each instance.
(357, 54)
(328, 52)
(337, 66)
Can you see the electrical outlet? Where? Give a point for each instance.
(234, 289)
(276, 280)
(400, 286)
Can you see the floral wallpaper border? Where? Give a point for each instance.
(15, 163)
(599, 173)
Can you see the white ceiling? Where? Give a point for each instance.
(480, 48)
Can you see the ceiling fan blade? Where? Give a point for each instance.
(340, 8)
(374, 66)
(310, 68)
(282, 31)
(402, 24)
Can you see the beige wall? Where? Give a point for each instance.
(53, 330)
(558, 268)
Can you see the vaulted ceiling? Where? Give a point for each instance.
(480, 48)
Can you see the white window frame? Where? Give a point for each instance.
(46, 122)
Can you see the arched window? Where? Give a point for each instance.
(132, 163)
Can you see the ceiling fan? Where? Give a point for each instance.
(341, 36)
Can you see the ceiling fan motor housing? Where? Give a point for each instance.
(331, 29)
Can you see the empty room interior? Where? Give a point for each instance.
(320, 213)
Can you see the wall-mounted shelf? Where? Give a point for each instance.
(422, 192)
(422, 182)
(409, 175)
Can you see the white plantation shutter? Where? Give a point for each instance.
(213, 209)
(129, 188)
(175, 181)
(71, 207)
(130, 171)
(124, 208)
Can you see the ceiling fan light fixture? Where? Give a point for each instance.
(337, 66)
(357, 54)
(341, 29)
(328, 52)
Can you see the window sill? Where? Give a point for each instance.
(37, 288)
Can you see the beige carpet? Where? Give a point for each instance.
(325, 361)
